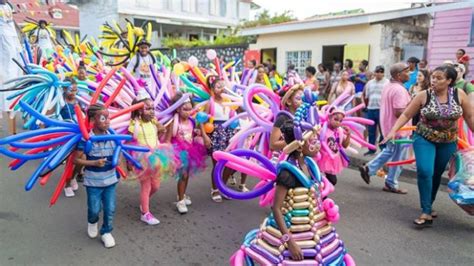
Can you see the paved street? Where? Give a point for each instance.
(376, 226)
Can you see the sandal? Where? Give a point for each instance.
(215, 195)
(394, 190)
(423, 222)
(434, 214)
(364, 173)
(243, 188)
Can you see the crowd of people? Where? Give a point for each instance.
(175, 114)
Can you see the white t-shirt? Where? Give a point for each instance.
(143, 69)
(44, 40)
(7, 26)
(373, 92)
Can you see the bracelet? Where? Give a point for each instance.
(285, 238)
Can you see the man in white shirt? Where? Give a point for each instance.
(139, 65)
(371, 95)
(44, 39)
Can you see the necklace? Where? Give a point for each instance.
(444, 112)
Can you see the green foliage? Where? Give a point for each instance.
(264, 18)
(220, 40)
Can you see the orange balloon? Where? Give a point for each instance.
(208, 128)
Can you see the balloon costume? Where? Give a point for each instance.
(308, 214)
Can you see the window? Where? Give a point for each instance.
(189, 6)
(301, 59)
(223, 8)
(218, 7)
(235, 11)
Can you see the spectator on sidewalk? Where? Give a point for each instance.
(462, 84)
(342, 86)
(323, 76)
(422, 84)
(335, 75)
(348, 64)
(360, 79)
(394, 100)
(371, 95)
(435, 138)
(423, 64)
(413, 65)
(311, 80)
(463, 58)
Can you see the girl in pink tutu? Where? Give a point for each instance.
(157, 163)
(189, 151)
(332, 159)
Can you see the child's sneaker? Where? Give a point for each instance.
(68, 192)
(108, 240)
(92, 230)
(232, 181)
(74, 184)
(187, 199)
(243, 188)
(149, 219)
(181, 205)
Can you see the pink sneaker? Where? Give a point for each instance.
(149, 219)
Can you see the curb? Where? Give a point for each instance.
(407, 175)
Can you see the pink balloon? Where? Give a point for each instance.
(349, 260)
(267, 198)
(193, 61)
(244, 165)
(211, 54)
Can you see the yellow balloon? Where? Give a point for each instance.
(50, 67)
(178, 69)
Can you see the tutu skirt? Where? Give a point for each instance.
(331, 166)
(158, 163)
(188, 157)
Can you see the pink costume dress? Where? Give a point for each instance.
(189, 151)
(331, 160)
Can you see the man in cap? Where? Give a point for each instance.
(393, 102)
(139, 65)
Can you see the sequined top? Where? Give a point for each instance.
(438, 121)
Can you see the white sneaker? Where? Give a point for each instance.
(68, 192)
(149, 219)
(181, 205)
(243, 188)
(232, 181)
(187, 199)
(92, 230)
(108, 240)
(74, 184)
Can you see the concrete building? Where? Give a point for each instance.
(59, 13)
(381, 38)
(452, 30)
(189, 19)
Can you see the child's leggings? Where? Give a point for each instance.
(149, 186)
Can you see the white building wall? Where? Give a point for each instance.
(95, 13)
(314, 40)
(149, 8)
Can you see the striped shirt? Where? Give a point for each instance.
(99, 176)
(373, 92)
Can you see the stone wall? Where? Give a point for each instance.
(400, 33)
(225, 54)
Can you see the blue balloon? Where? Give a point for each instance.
(132, 160)
(135, 148)
(64, 151)
(116, 156)
(235, 124)
(202, 117)
(21, 156)
(31, 182)
(27, 145)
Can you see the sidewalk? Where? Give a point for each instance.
(408, 173)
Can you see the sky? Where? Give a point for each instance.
(306, 8)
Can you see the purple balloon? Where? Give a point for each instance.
(265, 253)
(339, 252)
(217, 175)
(307, 252)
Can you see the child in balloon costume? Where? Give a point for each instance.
(189, 149)
(335, 139)
(300, 229)
(158, 163)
